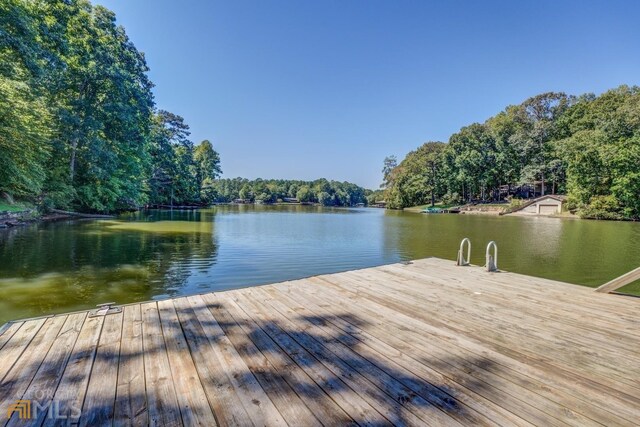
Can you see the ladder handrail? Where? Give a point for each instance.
(461, 260)
(492, 261)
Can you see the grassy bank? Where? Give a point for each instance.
(15, 207)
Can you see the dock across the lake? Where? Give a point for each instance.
(424, 343)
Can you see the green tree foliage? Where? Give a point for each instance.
(77, 122)
(207, 161)
(374, 196)
(601, 151)
(390, 162)
(587, 147)
(419, 178)
(536, 128)
(180, 173)
(24, 118)
(174, 176)
(473, 156)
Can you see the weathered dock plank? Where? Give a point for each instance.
(425, 343)
(361, 374)
(160, 388)
(220, 391)
(194, 405)
(48, 376)
(17, 344)
(506, 329)
(255, 400)
(292, 408)
(320, 403)
(98, 407)
(131, 402)
(8, 329)
(18, 378)
(69, 396)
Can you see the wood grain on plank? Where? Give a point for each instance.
(221, 394)
(17, 380)
(361, 411)
(247, 388)
(98, 407)
(290, 405)
(161, 395)
(192, 399)
(17, 344)
(315, 397)
(131, 399)
(8, 329)
(72, 389)
(47, 378)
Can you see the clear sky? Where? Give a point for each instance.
(327, 88)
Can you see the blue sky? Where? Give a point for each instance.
(322, 88)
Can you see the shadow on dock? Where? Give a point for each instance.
(318, 372)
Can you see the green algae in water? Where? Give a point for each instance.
(160, 226)
(51, 293)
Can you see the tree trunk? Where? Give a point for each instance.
(72, 163)
(81, 215)
(433, 184)
(6, 196)
(542, 188)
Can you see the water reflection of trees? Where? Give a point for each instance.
(69, 265)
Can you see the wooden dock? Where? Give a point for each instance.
(426, 343)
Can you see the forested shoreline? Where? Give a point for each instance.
(321, 191)
(79, 129)
(587, 147)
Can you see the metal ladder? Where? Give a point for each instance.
(491, 260)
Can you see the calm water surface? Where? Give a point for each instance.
(65, 266)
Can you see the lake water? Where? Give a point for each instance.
(64, 266)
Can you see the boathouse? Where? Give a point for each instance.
(545, 205)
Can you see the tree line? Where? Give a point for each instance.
(78, 124)
(587, 147)
(322, 191)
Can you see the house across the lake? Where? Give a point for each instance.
(290, 200)
(550, 204)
